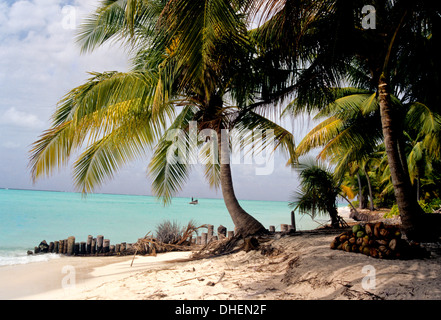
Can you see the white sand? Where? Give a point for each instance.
(302, 266)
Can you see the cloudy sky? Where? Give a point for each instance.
(40, 62)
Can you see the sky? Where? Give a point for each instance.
(40, 63)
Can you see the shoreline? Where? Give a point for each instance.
(68, 278)
(299, 266)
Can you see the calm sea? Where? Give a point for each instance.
(28, 217)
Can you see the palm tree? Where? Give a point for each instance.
(350, 134)
(318, 191)
(193, 70)
(329, 36)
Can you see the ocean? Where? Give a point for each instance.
(28, 217)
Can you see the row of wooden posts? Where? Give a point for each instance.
(99, 245)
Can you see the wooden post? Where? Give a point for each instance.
(89, 244)
(204, 238)
(56, 246)
(117, 247)
(70, 245)
(51, 247)
(222, 232)
(284, 227)
(106, 245)
(230, 234)
(76, 248)
(83, 247)
(272, 228)
(210, 232)
(199, 240)
(112, 248)
(123, 246)
(293, 221)
(66, 245)
(99, 243)
(93, 247)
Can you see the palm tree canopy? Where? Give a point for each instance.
(191, 61)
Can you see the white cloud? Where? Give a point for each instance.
(14, 117)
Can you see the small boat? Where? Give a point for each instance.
(194, 201)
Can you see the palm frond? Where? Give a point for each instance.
(170, 165)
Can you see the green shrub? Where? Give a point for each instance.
(168, 232)
(393, 212)
(430, 207)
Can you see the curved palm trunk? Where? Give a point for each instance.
(245, 224)
(410, 211)
(368, 180)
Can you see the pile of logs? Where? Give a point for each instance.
(378, 241)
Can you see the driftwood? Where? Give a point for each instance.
(151, 246)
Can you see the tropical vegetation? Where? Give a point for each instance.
(195, 73)
(199, 62)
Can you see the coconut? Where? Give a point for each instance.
(343, 238)
(356, 228)
(393, 244)
(384, 233)
(374, 252)
(360, 234)
(352, 240)
(378, 226)
(369, 229)
(366, 251)
(359, 241)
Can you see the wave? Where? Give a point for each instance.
(10, 258)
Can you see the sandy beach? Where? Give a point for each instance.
(299, 266)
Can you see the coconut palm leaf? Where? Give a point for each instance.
(103, 158)
(170, 165)
(251, 132)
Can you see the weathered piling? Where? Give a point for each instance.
(77, 248)
(93, 247)
(210, 232)
(89, 244)
(293, 221)
(83, 247)
(106, 245)
(51, 247)
(70, 245)
(99, 243)
(272, 229)
(204, 238)
(56, 246)
(284, 227)
(222, 232)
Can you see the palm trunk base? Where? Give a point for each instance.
(249, 227)
(426, 228)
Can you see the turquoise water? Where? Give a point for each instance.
(28, 217)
